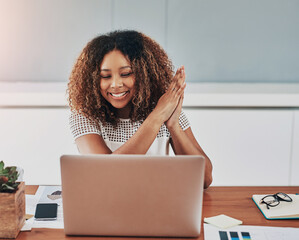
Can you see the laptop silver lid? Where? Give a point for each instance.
(132, 195)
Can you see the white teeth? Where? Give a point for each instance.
(118, 95)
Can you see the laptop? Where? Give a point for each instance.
(132, 195)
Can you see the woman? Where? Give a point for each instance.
(125, 99)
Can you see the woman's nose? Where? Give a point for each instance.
(116, 82)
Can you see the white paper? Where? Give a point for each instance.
(27, 226)
(31, 202)
(44, 191)
(256, 232)
(41, 196)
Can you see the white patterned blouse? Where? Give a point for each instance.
(115, 137)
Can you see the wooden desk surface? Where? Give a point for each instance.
(235, 202)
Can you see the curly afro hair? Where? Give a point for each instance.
(150, 64)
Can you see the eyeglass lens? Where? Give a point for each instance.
(284, 197)
(274, 200)
(270, 200)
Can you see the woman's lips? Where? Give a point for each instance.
(120, 95)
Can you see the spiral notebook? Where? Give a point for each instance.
(285, 210)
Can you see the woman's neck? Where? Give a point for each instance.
(124, 112)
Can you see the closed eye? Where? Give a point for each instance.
(126, 74)
(108, 76)
(122, 75)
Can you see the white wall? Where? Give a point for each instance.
(216, 40)
(294, 167)
(246, 146)
(235, 41)
(41, 39)
(146, 16)
(34, 139)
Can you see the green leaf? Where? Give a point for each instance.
(12, 169)
(15, 185)
(1, 166)
(7, 187)
(12, 174)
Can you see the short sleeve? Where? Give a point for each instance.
(81, 125)
(183, 121)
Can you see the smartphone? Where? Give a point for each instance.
(46, 211)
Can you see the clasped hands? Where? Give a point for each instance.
(170, 103)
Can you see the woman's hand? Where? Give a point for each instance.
(174, 118)
(169, 101)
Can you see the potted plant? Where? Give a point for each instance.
(12, 202)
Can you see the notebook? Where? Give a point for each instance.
(132, 195)
(285, 210)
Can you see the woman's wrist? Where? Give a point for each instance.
(174, 127)
(155, 118)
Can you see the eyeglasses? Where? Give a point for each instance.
(274, 199)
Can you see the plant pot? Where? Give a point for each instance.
(12, 212)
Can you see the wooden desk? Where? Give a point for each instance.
(232, 201)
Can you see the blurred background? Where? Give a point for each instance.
(217, 41)
(242, 65)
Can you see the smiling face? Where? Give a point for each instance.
(117, 82)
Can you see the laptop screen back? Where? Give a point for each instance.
(132, 195)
